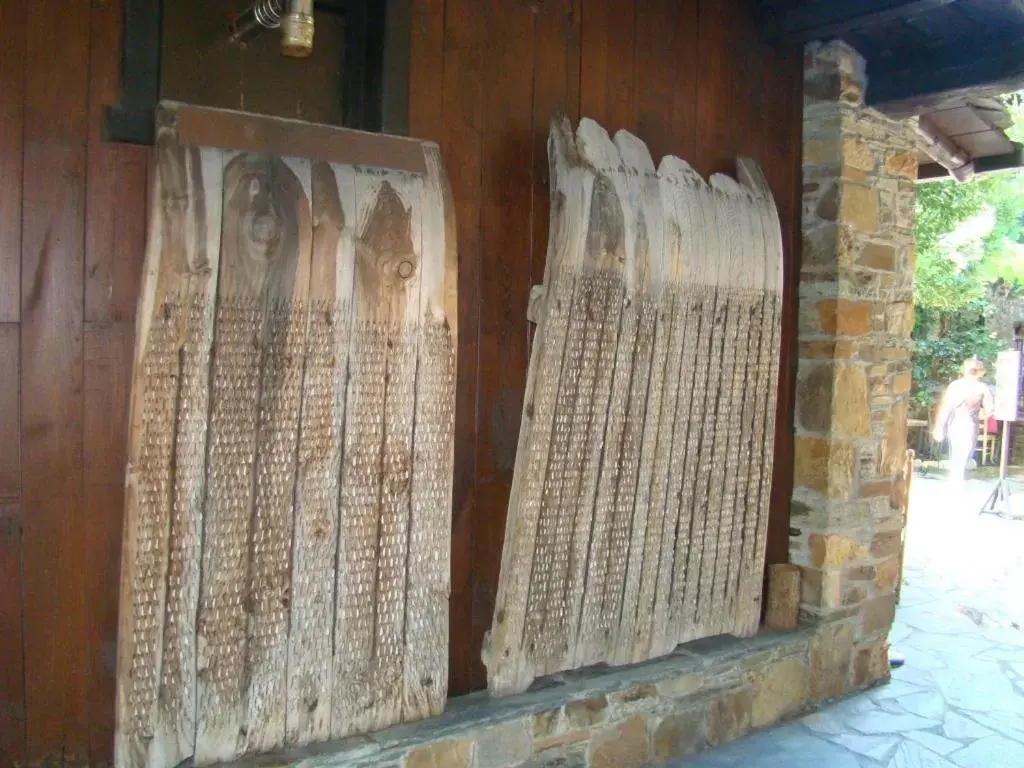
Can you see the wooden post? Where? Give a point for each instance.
(783, 597)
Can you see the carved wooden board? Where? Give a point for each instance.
(285, 574)
(639, 505)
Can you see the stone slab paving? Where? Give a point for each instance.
(959, 700)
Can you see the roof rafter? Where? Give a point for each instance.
(800, 22)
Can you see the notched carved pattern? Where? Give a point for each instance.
(152, 475)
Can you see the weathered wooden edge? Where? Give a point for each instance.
(228, 129)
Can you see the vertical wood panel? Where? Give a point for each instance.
(56, 88)
(12, 94)
(107, 379)
(12, 678)
(504, 280)
(115, 226)
(461, 150)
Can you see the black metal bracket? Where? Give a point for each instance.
(131, 120)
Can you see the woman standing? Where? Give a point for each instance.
(967, 400)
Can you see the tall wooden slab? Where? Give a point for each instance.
(426, 601)
(314, 549)
(635, 521)
(376, 472)
(286, 568)
(167, 445)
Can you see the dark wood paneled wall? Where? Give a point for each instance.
(689, 77)
(72, 232)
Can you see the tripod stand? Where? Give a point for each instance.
(998, 502)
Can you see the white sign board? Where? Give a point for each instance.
(1007, 398)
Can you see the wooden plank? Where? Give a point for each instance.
(107, 379)
(166, 451)
(12, 105)
(507, 63)
(227, 129)
(310, 662)
(52, 265)
(376, 472)
(611, 232)
(284, 302)
(255, 390)
(116, 185)
(632, 642)
(425, 678)
(12, 674)
(507, 669)
(680, 237)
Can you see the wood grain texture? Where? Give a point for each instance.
(52, 266)
(107, 378)
(13, 18)
(12, 675)
(314, 549)
(614, 552)
(166, 452)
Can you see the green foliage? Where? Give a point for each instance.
(953, 283)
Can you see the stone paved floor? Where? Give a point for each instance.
(959, 700)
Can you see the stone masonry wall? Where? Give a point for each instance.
(853, 380)
(705, 694)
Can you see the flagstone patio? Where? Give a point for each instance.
(959, 700)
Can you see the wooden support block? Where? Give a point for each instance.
(783, 597)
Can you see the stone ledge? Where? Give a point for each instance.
(697, 674)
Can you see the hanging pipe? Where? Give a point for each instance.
(296, 25)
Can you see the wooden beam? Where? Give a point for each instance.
(944, 150)
(903, 87)
(802, 22)
(982, 165)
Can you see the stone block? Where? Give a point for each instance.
(857, 154)
(860, 573)
(546, 723)
(729, 716)
(820, 152)
(904, 165)
(887, 572)
(680, 686)
(830, 549)
(854, 595)
(814, 398)
(825, 466)
(560, 742)
(827, 208)
(831, 655)
(679, 735)
(634, 694)
(622, 746)
(901, 383)
(886, 544)
(851, 416)
(569, 758)
(858, 207)
(875, 488)
(878, 256)
(841, 317)
(871, 664)
(780, 690)
(878, 614)
(584, 713)
(452, 753)
(503, 745)
(820, 589)
(894, 442)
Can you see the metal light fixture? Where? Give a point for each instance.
(296, 24)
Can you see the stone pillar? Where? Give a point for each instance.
(853, 381)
